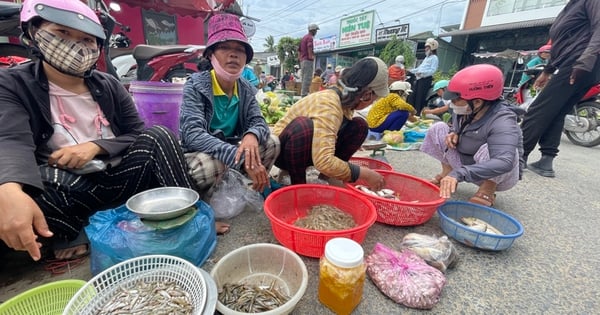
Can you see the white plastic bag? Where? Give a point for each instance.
(232, 194)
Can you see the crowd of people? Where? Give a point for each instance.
(70, 118)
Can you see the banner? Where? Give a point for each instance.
(387, 33)
(356, 30)
(325, 43)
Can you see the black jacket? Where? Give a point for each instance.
(25, 120)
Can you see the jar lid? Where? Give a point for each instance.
(344, 252)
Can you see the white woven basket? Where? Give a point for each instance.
(97, 292)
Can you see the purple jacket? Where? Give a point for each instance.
(499, 129)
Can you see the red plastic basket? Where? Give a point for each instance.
(419, 199)
(371, 163)
(285, 205)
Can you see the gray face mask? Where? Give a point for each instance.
(460, 110)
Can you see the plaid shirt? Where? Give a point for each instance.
(325, 110)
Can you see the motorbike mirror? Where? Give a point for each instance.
(115, 6)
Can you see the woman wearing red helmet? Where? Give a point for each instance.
(72, 140)
(484, 144)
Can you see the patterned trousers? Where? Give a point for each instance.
(206, 170)
(154, 160)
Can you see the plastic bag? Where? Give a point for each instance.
(118, 234)
(437, 252)
(405, 277)
(232, 194)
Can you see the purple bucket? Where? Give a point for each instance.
(158, 103)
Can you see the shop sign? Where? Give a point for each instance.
(325, 43)
(356, 30)
(273, 61)
(249, 26)
(386, 34)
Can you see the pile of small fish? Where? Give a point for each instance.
(247, 298)
(149, 297)
(383, 193)
(480, 225)
(326, 218)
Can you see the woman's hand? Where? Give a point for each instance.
(75, 156)
(448, 186)
(259, 176)
(375, 180)
(451, 140)
(249, 148)
(21, 220)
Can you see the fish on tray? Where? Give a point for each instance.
(480, 225)
(384, 193)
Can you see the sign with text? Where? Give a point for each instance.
(356, 30)
(387, 33)
(325, 43)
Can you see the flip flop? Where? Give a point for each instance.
(483, 199)
(81, 239)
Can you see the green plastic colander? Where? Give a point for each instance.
(47, 299)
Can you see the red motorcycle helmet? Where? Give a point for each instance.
(478, 81)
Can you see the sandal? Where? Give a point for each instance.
(483, 199)
(63, 245)
(436, 180)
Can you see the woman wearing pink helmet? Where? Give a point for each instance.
(541, 59)
(484, 144)
(72, 140)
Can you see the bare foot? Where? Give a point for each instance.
(222, 227)
(72, 252)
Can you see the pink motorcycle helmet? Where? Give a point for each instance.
(72, 13)
(545, 48)
(478, 81)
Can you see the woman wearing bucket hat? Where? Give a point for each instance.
(320, 130)
(221, 123)
(392, 111)
(484, 144)
(72, 140)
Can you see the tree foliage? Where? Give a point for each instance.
(270, 44)
(397, 47)
(287, 51)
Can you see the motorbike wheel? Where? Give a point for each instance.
(591, 137)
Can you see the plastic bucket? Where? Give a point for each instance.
(158, 103)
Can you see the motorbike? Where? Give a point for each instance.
(582, 125)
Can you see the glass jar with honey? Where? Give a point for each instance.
(341, 275)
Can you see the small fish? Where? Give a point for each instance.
(480, 225)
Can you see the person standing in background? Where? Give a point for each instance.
(397, 71)
(575, 37)
(326, 75)
(307, 57)
(423, 75)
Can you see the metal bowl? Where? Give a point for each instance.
(162, 203)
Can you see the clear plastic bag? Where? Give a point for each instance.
(232, 194)
(437, 252)
(405, 277)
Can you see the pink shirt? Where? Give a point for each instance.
(76, 118)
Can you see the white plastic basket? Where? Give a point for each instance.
(97, 292)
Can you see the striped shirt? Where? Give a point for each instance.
(324, 108)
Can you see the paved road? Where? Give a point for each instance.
(551, 269)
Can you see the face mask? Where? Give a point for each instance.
(66, 56)
(427, 52)
(460, 110)
(222, 73)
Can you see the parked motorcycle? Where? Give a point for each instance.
(582, 125)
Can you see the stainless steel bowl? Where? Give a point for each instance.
(162, 203)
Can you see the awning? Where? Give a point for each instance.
(507, 53)
(181, 7)
(501, 27)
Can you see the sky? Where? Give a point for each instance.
(281, 18)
